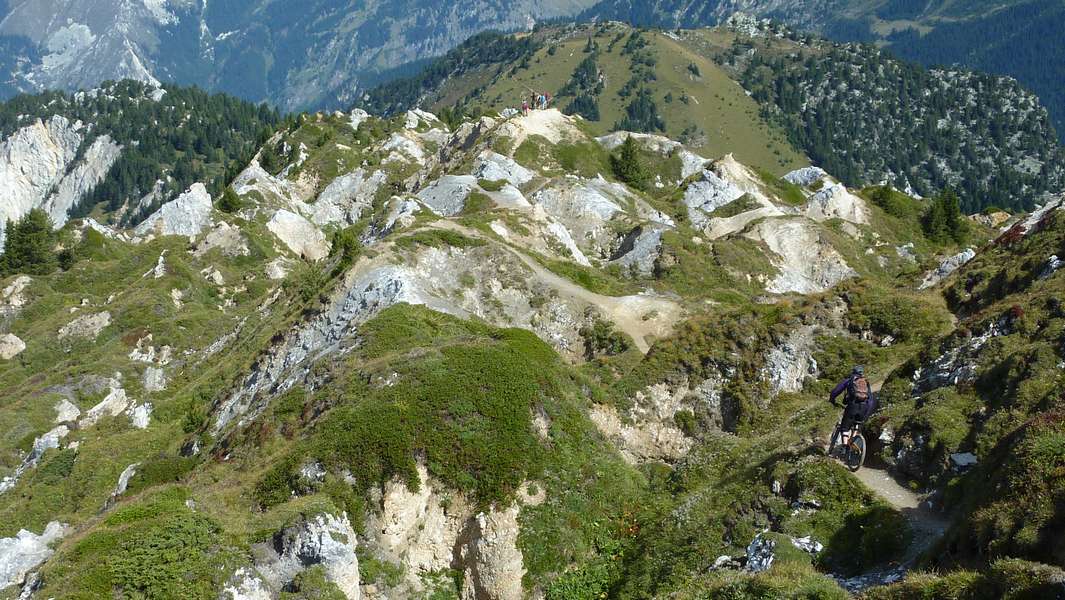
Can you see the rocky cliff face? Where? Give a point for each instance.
(35, 160)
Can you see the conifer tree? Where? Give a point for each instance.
(628, 166)
(29, 245)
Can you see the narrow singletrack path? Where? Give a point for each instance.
(927, 526)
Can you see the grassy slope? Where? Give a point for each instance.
(718, 106)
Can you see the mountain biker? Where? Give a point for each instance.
(859, 401)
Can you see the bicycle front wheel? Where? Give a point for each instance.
(856, 452)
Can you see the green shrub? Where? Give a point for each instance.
(230, 202)
(311, 584)
(436, 238)
(160, 470)
(476, 203)
(173, 558)
(602, 338)
(943, 222)
(492, 186)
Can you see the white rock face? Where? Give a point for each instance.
(806, 176)
(154, 380)
(86, 326)
(401, 148)
(562, 235)
(417, 117)
(81, 180)
(789, 364)
(708, 194)
(494, 565)
(1052, 266)
(188, 215)
(246, 584)
(550, 124)
(640, 249)
(299, 234)
(10, 346)
(42, 444)
(416, 529)
(228, 238)
(33, 161)
(649, 432)
(493, 166)
(14, 296)
(807, 263)
(114, 404)
(123, 481)
(947, 267)
(324, 540)
(585, 208)
(447, 196)
(836, 202)
(277, 269)
(358, 117)
(346, 198)
(66, 411)
(26, 551)
(140, 416)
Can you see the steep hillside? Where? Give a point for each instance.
(921, 130)
(507, 359)
(1017, 38)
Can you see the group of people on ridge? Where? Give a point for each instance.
(537, 101)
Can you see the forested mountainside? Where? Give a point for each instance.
(512, 358)
(296, 56)
(120, 152)
(869, 117)
(1017, 38)
(850, 108)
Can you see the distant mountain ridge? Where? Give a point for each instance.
(1019, 38)
(310, 55)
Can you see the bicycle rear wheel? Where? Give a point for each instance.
(856, 452)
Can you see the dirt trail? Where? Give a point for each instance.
(927, 526)
(642, 317)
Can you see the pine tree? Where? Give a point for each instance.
(30, 245)
(628, 166)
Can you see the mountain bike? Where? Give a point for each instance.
(850, 447)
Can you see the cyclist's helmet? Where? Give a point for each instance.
(858, 370)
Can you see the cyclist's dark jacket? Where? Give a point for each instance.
(855, 410)
(844, 386)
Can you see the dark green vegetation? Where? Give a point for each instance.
(186, 136)
(944, 222)
(983, 136)
(1015, 40)
(628, 165)
(30, 245)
